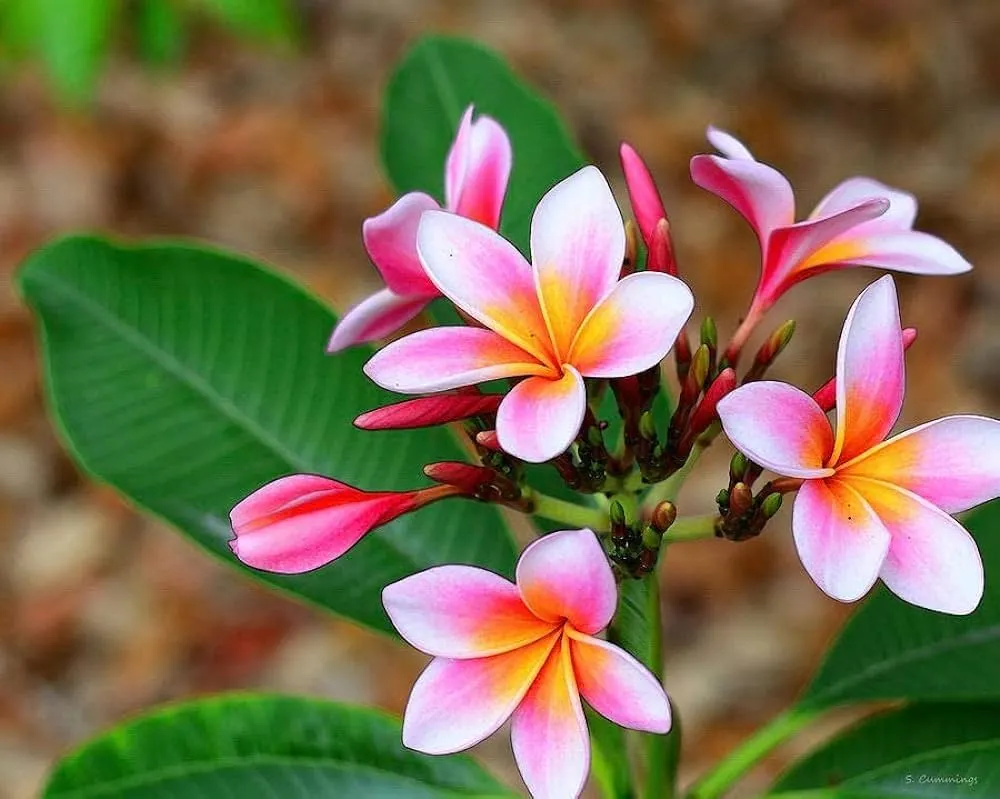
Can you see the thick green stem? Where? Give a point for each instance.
(569, 512)
(691, 528)
(671, 487)
(750, 752)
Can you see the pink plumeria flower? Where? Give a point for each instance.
(564, 317)
(476, 175)
(303, 521)
(870, 507)
(861, 222)
(525, 652)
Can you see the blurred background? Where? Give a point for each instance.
(254, 125)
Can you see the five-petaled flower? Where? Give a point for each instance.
(870, 507)
(561, 318)
(476, 175)
(861, 222)
(525, 652)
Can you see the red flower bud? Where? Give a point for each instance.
(429, 411)
(643, 194)
(704, 414)
(826, 395)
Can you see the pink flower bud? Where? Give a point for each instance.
(429, 411)
(646, 203)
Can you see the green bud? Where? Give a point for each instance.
(699, 366)
(738, 466)
(722, 498)
(616, 512)
(770, 505)
(651, 538)
(647, 426)
(709, 333)
(595, 437)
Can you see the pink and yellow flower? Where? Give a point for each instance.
(870, 507)
(476, 174)
(523, 651)
(861, 222)
(562, 318)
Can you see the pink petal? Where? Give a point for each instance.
(634, 327)
(461, 612)
(779, 427)
(953, 463)
(854, 191)
(301, 522)
(794, 249)
(932, 562)
(429, 411)
(646, 203)
(374, 318)
(540, 417)
(477, 170)
(757, 191)
(566, 575)
(618, 686)
(485, 276)
(448, 357)
(577, 247)
(391, 241)
(870, 372)
(902, 251)
(840, 540)
(455, 704)
(549, 732)
(727, 144)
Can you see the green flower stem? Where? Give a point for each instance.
(750, 752)
(569, 512)
(691, 528)
(671, 487)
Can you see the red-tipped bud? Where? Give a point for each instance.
(646, 203)
(704, 414)
(429, 411)
(660, 256)
(301, 522)
(488, 439)
(468, 477)
(826, 395)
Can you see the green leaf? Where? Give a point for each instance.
(188, 377)
(892, 650)
(73, 41)
(609, 766)
(889, 741)
(271, 21)
(633, 625)
(424, 103)
(261, 746)
(160, 32)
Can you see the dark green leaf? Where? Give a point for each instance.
(886, 741)
(187, 377)
(633, 628)
(73, 41)
(271, 21)
(160, 31)
(609, 766)
(425, 100)
(262, 747)
(892, 650)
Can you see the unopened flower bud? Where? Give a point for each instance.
(770, 505)
(646, 203)
(709, 333)
(663, 515)
(616, 512)
(738, 467)
(704, 414)
(722, 498)
(651, 537)
(660, 255)
(428, 411)
(740, 500)
(466, 476)
(647, 426)
(698, 372)
(488, 439)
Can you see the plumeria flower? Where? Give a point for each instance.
(564, 317)
(476, 175)
(870, 507)
(525, 652)
(303, 521)
(861, 222)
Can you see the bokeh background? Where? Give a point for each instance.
(274, 153)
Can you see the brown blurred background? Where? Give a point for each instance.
(103, 612)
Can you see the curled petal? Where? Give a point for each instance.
(902, 205)
(870, 371)
(443, 358)
(455, 704)
(953, 463)
(932, 562)
(618, 686)
(301, 522)
(577, 247)
(549, 732)
(374, 318)
(461, 612)
(634, 327)
(779, 427)
(728, 144)
(566, 575)
(540, 417)
(477, 169)
(391, 241)
(901, 251)
(646, 203)
(840, 540)
(485, 276)
(429, 411)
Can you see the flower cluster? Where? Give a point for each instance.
(558, 332)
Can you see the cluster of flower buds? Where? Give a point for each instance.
(561, 330)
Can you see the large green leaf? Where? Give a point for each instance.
(424, 102)
(892, 650)
(886, 741)
(73, 41)
(262, 747)
(187, 377)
